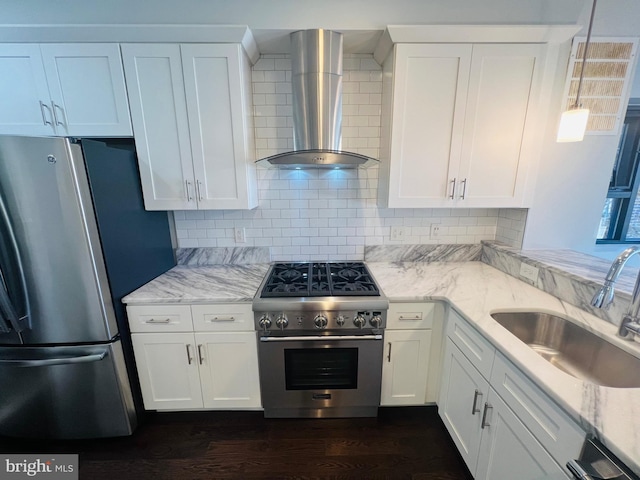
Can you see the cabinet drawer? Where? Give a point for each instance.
(545, 420)
(412, 316)
(223, 317)
(160, 318)
(475, 347)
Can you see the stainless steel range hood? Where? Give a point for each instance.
(316, 67)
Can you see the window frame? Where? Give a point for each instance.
(626, 196)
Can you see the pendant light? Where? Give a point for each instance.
(573, 122)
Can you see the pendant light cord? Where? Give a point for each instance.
(584, 57)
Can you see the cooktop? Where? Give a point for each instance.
(316, 279)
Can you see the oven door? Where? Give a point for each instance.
(320, 376)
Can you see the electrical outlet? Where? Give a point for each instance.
(239, 235)
(434, 232)
(399, 233)
(529, 272)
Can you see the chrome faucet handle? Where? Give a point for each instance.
(628, 327)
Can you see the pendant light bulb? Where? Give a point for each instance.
(573, 123)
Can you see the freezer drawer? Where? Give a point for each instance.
(65, 392)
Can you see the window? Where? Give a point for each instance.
(620, 222)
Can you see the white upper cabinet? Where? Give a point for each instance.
(63, 89)
(191, 111)
(457, 124)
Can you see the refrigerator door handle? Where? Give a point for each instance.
(40, 362)
(8, 316)
(7, 309)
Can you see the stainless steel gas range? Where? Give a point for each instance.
(320, 328)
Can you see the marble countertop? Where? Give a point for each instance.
(202, 284)
(476, 290)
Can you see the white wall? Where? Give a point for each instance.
(573, 177)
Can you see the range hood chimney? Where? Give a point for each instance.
(316, 67)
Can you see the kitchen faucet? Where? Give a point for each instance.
(604, 297)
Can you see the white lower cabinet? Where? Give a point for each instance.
(202, 366)
(411, 363)
(228, 369)
(168, 370)
(500, 435)
(404, 368)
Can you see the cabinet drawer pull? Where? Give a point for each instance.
(189, 355)
(416, 316)
(484, 423)
(453, 189)
(464, 188)
(200, 354)
(158, 320)
(389, 356)
(223, 319)
(44, 117)
(474, 408)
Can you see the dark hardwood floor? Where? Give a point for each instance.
(402, 443)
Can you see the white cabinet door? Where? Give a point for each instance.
(160, 125)
(462, 395)
(229, 369)
(509, 450)
(461, 126)
(405, 367)
(191, 111)
(88, 94)
(168, 370)
(427, 118)
(501, 106)
(218, 94)
(25, 107)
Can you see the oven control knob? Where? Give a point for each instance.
(340, 320)
(282, 322)
(320, 321)
(265, 322)
(359, 321)
(376, 321)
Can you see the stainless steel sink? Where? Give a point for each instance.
(573, 349)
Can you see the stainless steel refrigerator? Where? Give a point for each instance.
(74, 239)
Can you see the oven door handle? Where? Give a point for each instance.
(321, 338)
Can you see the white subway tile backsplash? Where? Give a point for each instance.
(331, 214)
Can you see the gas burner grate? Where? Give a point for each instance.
(288, 280)
(319, 280)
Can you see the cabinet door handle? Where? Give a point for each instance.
(484, 423)
(189, 196)
(158, 320)
(389, 355)
(189, 355)
(55, 106)
(44, 117)
(199, 190)
(453, 189)
(464, 188)
(474, 408)
(200, 355)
